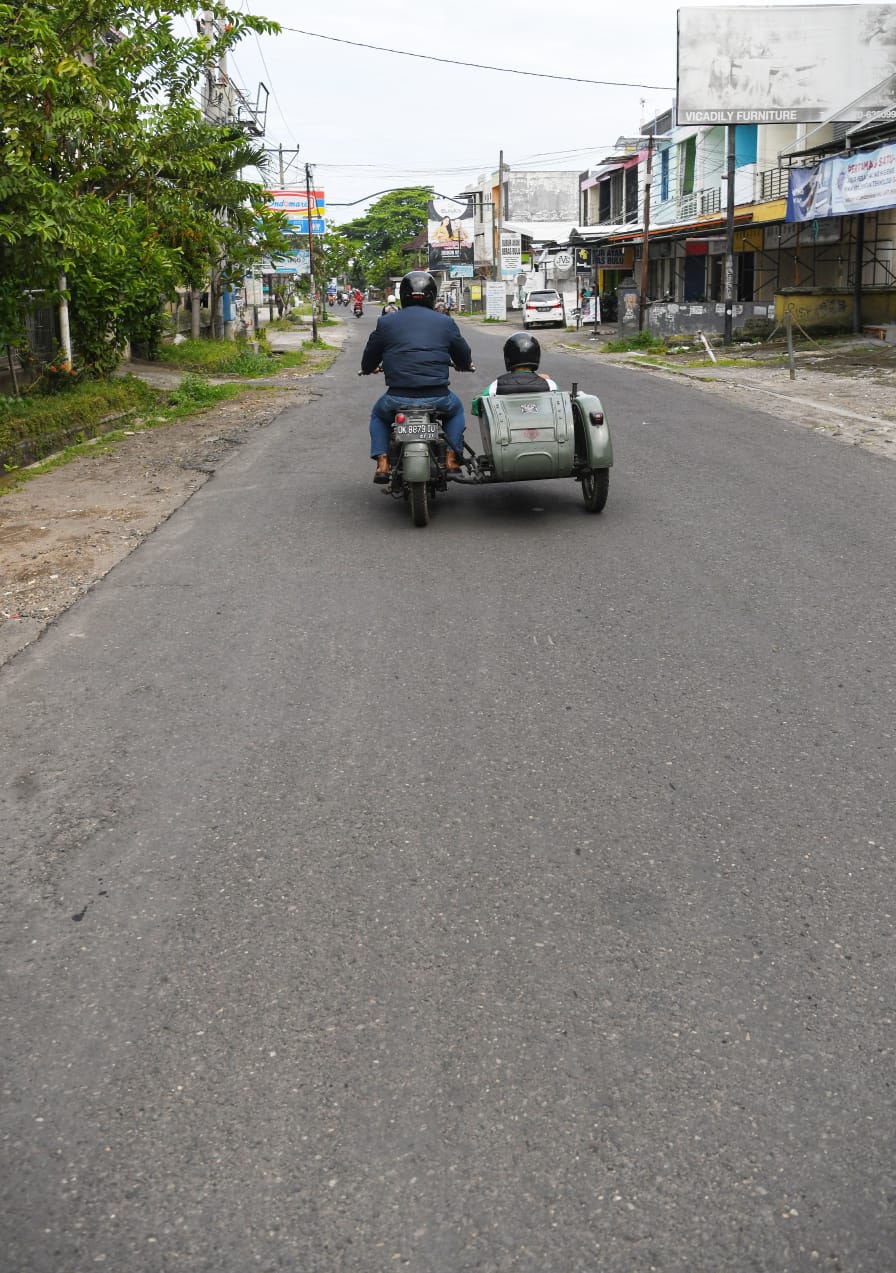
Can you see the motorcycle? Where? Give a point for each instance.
(358, 310)
(525, 437)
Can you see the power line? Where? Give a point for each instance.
(478, 66)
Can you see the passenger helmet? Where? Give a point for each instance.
(418, 288)
(522, 351)
(390, 299)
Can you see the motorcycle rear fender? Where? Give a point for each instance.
(416, 462)
(598, 443)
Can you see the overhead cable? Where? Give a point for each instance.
(479, 66)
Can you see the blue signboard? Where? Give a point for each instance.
(299, 225)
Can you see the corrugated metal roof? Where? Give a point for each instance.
(542, 231)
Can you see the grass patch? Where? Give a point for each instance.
(45, 432)
(35, 425)
(220, 358)
(634, 344)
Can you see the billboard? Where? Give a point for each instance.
(294, 205)
(783, 65)
(450, 232)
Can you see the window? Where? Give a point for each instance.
(689, 164)
(664, 175)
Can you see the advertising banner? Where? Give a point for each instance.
(298, 262)
(863, 182)
(294, 205)
(785, 63)
(450, 233)
(495, 300)
(612, 258)
(511, 253)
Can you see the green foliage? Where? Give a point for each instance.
(221, 358)
(195, 391)
(630, 344)
(378, 236)
(37, 424)
(110, 176)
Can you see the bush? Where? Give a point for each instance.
(194, 391)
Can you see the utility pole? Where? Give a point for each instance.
(645, 241)
(280, 152)
(499, 273)
(218, 109)
(729, 236)
(310, 249)
(65, 334)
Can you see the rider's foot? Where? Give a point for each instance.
(383, 470)
(451, 463)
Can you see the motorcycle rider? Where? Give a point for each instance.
(522, 356)
(416, 349)
(391, 305)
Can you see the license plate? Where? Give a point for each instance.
(545, 309)
(416, 430)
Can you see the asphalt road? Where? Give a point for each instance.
(513, 894)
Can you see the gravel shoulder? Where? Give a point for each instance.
(63, 531)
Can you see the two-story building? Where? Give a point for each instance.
(677, 176)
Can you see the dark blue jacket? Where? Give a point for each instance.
(416, 348)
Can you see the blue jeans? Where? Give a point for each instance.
(383, 414)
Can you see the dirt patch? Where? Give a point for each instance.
(64, 530)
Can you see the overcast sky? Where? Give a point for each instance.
(370, 120)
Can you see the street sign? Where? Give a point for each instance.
(562, 260)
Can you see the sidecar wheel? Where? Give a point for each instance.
(418, 494)
(595, 489)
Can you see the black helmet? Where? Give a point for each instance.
(522, 350)
(418, 288)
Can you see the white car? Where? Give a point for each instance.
(543, 307)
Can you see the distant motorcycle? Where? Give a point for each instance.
(358, 310)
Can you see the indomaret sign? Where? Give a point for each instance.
(785, 64)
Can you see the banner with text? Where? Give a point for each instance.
(511, 253)
(294, 206)
(863, 182)
(450, 233)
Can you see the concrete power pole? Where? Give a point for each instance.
(217, 108)
(499, 273)
(645, 241)
(310, 249)
(729, 235)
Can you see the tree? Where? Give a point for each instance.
(384, 229)
(98, 173)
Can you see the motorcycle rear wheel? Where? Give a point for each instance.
(418, 497)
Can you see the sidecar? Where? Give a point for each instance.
(531, 436)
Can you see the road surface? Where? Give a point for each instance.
(513, 894)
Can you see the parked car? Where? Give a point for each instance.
(543, 307)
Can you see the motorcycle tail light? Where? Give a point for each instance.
(400, 418)
(596, 417)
